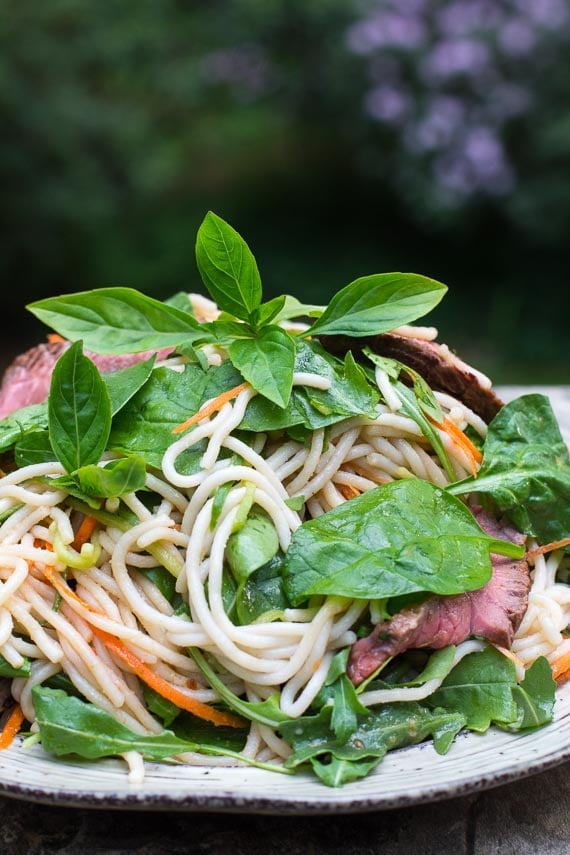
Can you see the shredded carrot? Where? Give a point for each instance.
(84, 532)
(55, 337)
(12, 727)
(548, 547)
(462, 440)
(211, 407)
(119, 649)
(347, 491)
(197, 708)
(561, 668)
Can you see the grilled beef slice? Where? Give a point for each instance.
(442, 370)
(493, 612)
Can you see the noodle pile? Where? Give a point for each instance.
(58, 630)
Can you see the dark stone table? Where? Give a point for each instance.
(527, 817)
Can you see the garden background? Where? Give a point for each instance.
(339, 137)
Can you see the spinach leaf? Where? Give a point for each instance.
(116, 320)
(262, 595)
(267, 361)
(7, 670)
(401, 537)
(252, 546)
(24, 421)
(350, 394)
(79, 410)
(526, 469)
(535, 696)
(228, 268)
(378, 303)
(144, 426)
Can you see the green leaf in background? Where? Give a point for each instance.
(79, 410)
(116, 320)
(228, 268)
(526, 469)
(378, 303)
(267, 361)
(396, 539)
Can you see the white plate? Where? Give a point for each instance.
(405, 777)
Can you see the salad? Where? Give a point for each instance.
(237, 531)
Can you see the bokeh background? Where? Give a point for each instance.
(340, 137)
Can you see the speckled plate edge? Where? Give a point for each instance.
(410, 776)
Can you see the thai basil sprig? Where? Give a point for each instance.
(121, 320)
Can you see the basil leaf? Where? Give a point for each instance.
(292, 308)
(79, 410)
(401, 537)
(526, 469)
(269, 310)
(228, 268)
(116, 320)
(267, 362)
(379, 303)
(116, 478)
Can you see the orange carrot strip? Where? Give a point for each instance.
(116, 646)
(347, 491)
(211, 407)
(84, 532)
(12, 727)
(548, 547)
(462, 440)
(54, 337)
(561, 668)
(197, 708)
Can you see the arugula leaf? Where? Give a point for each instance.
(79, 410)
(116, 320)
(264, 712)
(526, 469)
(401, 537)
(228, 268)
(68, 725)
(375, 304)
(483, 688)
(267, 361)
(336, 761)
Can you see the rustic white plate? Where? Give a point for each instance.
(405, 777)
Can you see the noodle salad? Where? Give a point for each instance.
(236, 531)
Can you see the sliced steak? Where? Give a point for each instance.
(27, 380)
(493, 612)
(441, 368)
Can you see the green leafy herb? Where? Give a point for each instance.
(228, 268)
(266, 360)
(79, 410)
(378, 303)
(526, 469)
(402, 537)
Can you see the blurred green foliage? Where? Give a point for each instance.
(123, 123)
